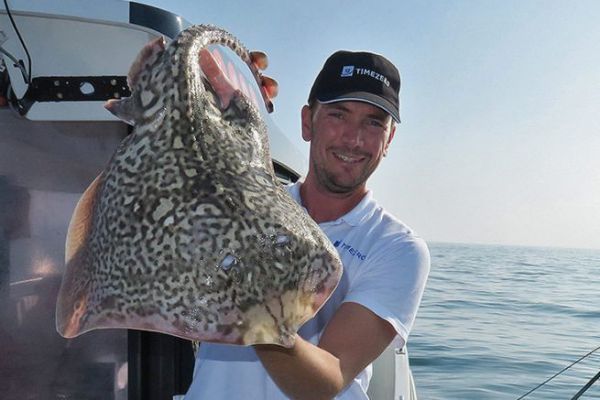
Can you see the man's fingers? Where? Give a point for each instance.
(261, 62)
(271, 86)
(259, 59)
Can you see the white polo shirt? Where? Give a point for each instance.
(385, 269)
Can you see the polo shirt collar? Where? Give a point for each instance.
(363, 210)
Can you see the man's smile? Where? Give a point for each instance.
(348, 157)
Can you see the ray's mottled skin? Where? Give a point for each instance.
(187, 231)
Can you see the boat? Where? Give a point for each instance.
(60, 61)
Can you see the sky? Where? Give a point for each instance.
(500, 106)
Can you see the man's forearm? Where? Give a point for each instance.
(304, 371)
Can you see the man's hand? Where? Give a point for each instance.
(354, 337)
(261, 62)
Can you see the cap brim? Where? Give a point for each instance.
(364, 97)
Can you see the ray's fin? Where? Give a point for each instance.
(81, 221)
(71, 304)
(147, 56)
(125, 109)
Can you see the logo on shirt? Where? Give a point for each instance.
(342, 246)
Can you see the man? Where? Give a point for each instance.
(349, 122)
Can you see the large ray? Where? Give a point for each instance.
(187, 231)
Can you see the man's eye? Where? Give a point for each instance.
(376, 123)
(337, 115)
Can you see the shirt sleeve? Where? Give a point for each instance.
(392, 283)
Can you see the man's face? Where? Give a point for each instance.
(348, 140)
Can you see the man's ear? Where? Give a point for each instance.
(306, 116)
(392, 133)
(387, 145)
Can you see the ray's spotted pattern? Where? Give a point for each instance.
(187, 231)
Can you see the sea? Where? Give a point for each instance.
(498, 321)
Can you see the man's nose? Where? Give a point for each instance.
(353, 135)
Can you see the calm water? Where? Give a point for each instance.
(496, 321)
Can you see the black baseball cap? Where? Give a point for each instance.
(359, 76)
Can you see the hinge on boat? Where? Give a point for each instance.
(73, 88)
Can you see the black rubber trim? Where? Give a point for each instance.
(157, 19)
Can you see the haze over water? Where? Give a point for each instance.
(496, 321)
